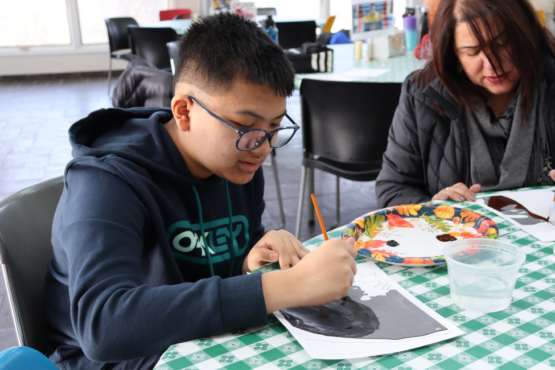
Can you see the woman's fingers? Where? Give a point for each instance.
(475, 188)
(458, 192)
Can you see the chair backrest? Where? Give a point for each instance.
(173, 50)
(266, 11)
(329, 23)
(117, 32)
(25, 250)
(324, 38)
(294, 34)
(150, 43)
(166, 15)
(347, 121)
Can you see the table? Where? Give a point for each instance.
(343, 59)
(179, 25)
(520, 337)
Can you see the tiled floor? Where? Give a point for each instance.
(35, 117)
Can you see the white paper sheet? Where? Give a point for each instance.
(365, 72)
(375, 283)
(537, 201)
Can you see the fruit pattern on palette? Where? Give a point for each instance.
(445, 219)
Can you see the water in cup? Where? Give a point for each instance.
(482, 273)
(482, 294)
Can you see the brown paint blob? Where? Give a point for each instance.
(506, 205)
(446, 238)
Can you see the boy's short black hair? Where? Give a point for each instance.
(221, 47)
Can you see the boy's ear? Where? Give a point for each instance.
(181, 105)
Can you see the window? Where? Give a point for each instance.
(343, 11)
(25, 23)
(93, 12)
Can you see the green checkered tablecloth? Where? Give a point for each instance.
(344, 58)
(520, 337)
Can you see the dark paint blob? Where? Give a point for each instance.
(343, 318)
(510, 207)
(392, 243)
(446, 238)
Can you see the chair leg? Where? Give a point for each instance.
(301, 201)
(310, 191)
(337, 210)
(109, 76)
(278, 189)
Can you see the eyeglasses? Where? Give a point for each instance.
(252, 138)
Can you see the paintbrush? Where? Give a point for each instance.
(551, 209)
(319, 216)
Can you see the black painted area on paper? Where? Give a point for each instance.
(381, 317)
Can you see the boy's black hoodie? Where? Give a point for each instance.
(130, 274)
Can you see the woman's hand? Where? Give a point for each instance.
(275, 245)
(459, 192)
(553, 175)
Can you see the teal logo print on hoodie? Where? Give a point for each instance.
(187, 242)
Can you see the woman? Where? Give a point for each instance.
(480, 116)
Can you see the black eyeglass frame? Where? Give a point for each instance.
(268, 134)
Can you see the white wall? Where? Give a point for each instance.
(194, 5)
(57, 63)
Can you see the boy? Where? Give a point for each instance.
(160, 218)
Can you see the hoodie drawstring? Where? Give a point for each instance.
(231, 236)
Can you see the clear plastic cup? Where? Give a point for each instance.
(482, 273)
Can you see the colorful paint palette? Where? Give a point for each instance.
(415, 234)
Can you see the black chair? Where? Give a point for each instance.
(150, 44)
(118, 40)
(345, 128)
(266, 11)
(324, 38)
(294, 34)
(173, 51)
(25, 249)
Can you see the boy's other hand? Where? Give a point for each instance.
(275, 246)
(323, 276)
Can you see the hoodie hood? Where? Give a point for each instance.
(137, 135)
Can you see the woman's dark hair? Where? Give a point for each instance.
(524, 39)
(220, 48)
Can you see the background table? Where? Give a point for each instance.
(180, 26)
(520, 337)
(344, 58)
(320, 22)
